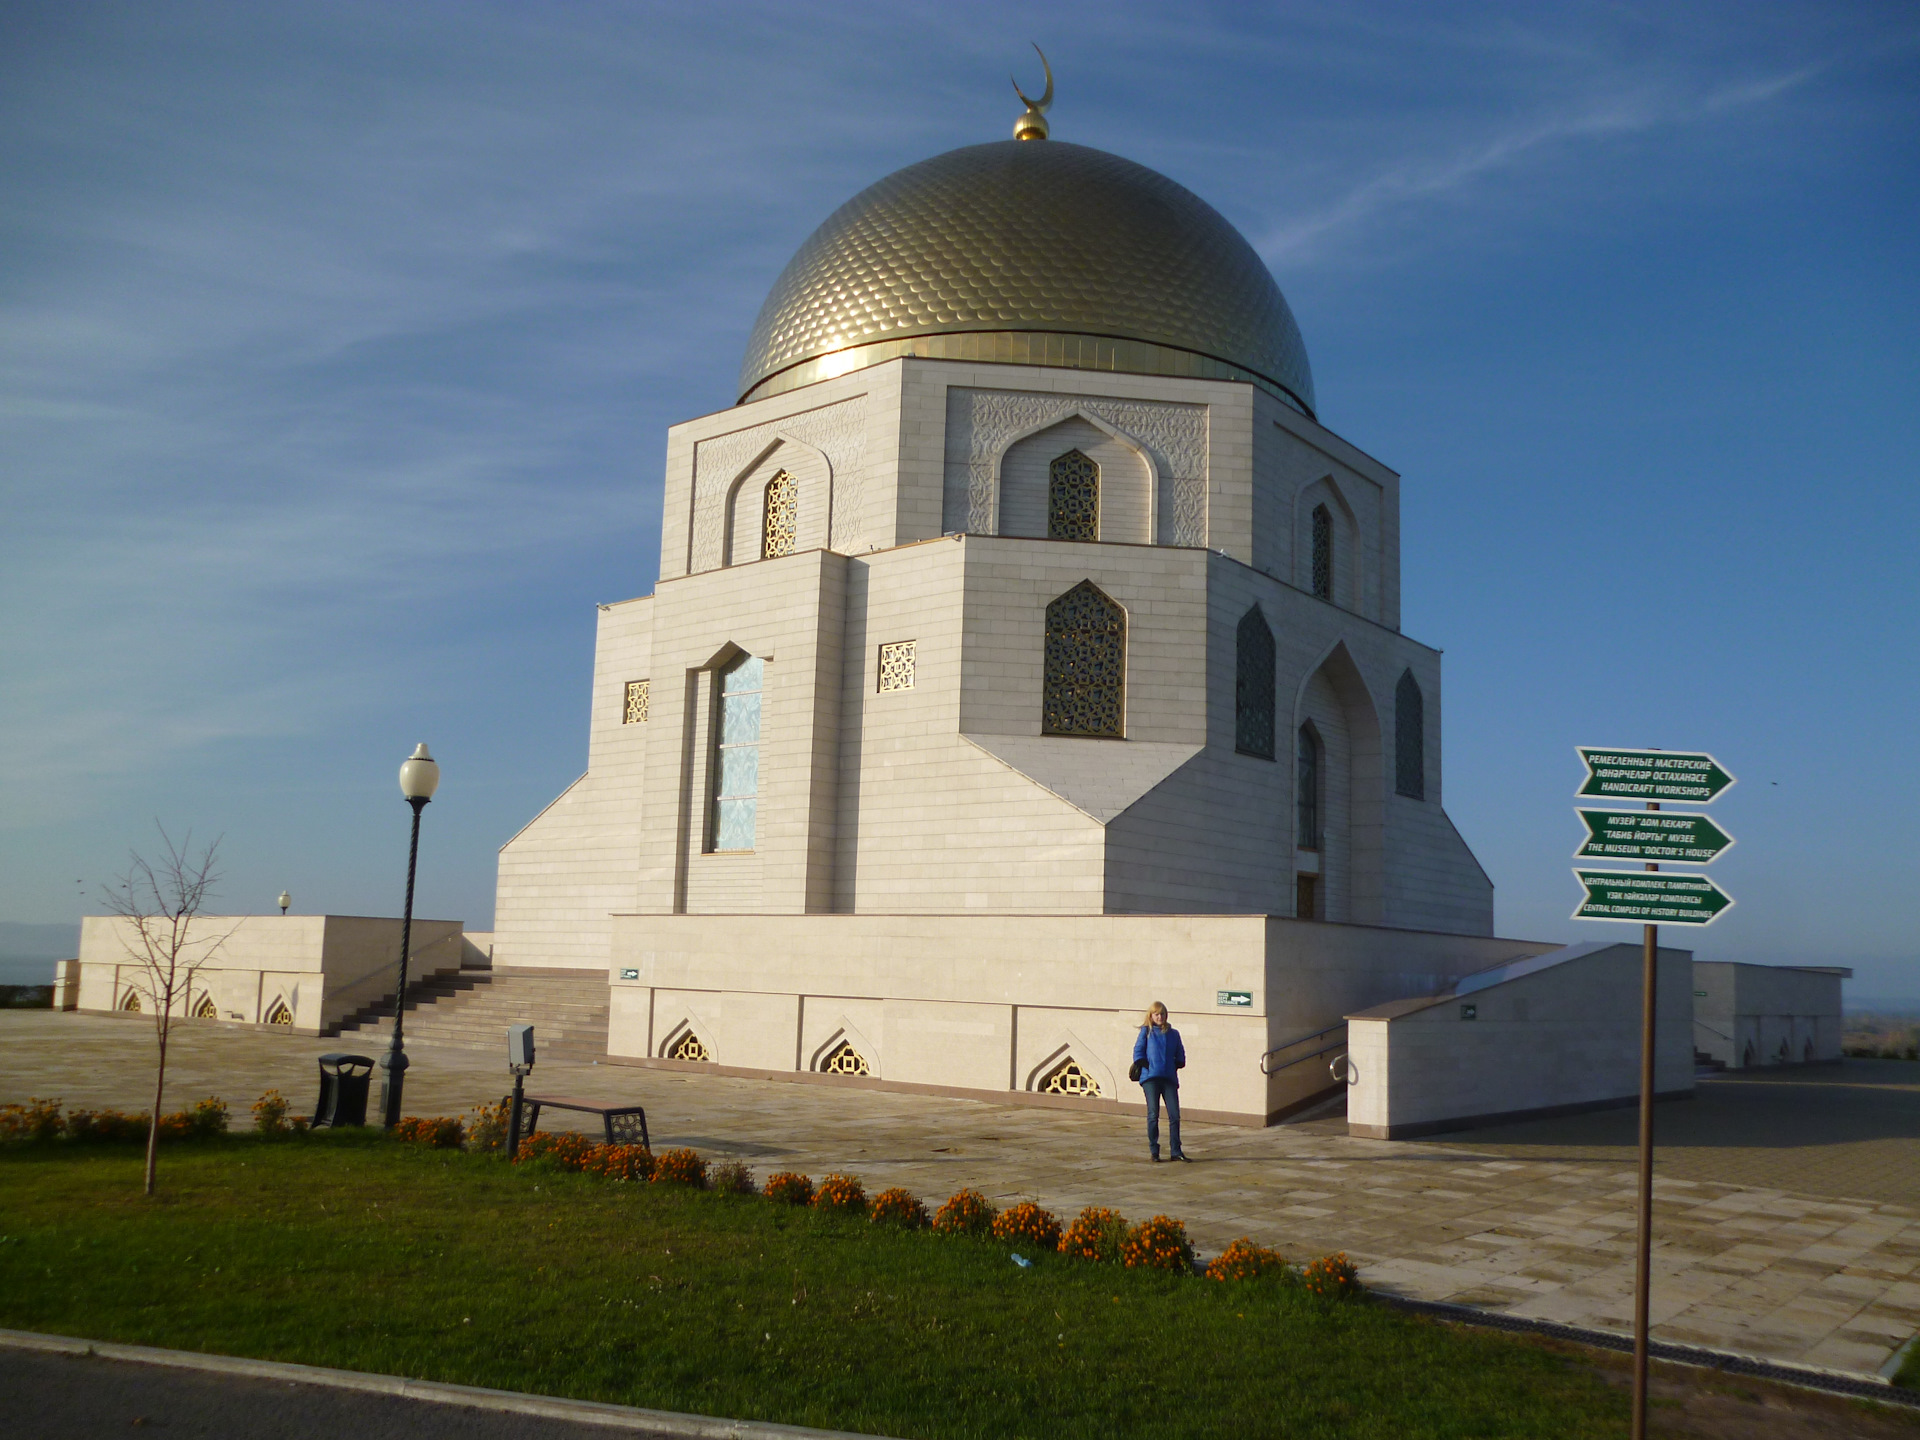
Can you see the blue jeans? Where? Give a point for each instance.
(1169, 1091)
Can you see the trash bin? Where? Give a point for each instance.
(343, 1090)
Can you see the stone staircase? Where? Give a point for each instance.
(471, 1009)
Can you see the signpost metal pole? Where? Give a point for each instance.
(1643, 1258)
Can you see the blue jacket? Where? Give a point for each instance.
(1162, 1051)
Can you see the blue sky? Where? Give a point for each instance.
(338, 342)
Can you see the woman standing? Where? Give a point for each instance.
(1158, 1058)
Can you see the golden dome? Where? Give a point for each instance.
(1034, 253)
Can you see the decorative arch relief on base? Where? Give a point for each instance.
(981, 424)
(837, 431)
(1072, 1067)
(846, 1052)
(690, 1038)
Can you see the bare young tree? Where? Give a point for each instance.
(160, 901)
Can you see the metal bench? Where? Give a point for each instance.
(623, 1124)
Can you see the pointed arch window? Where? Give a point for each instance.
(1073, 498)
(1307, 783)
(780, 517)
(736, 764)
(1086, 662)
(1253, 686)
(1322, 553)
(1409, 738)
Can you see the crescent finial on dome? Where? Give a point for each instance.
(1033, 124)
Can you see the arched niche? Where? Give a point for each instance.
(1335, 701)
(1127, 480)
(812, 492)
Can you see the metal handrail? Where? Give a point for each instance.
(1310, 1055)
(1301, 1040)
(1721, 1033)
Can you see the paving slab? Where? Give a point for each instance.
(1806, 1258)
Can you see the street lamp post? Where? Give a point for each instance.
(419, 777)
(284, 901)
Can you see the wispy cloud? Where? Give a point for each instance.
(1404, 183)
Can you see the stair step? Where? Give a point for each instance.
(471, 1010)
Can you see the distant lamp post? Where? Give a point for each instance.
(285, 901)
(419, 778)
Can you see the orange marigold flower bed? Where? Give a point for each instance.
(568, 1150)
(442, 1132)
(38, 1119)
(1332, 1277)
(1099, 1234)
(898, 1207)
(621, 1162)
(967, 1213)
(115, 1125)
(841, 1192)
(1244, 1260)
(681, 1167)
(1028, 1224)
(1158, 1244)
(789, 1188)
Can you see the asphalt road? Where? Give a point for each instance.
(85, 1397)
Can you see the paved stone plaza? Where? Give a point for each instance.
(1788, 1203)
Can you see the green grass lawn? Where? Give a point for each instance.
(353, 1251)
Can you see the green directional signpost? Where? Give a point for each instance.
(1650, 899)
(1690, 778)
(1650, 835)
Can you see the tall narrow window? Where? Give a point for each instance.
(1086, 665)
(1322, 553)
(736, 769)
(1073, 498)
(1308, 783)
(1253, 686)
(780, 518)
(1409, 738)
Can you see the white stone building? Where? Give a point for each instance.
(1023, 650)
(1752, 1015)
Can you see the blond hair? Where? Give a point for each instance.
(1161, 1007)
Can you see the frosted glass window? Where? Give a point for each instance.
(1307, 800)
(1253, 686)
(1409, 738)
(736, 767)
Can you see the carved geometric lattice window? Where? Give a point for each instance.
(1307, 798)
(689, 1047)
(845, 1060)
(780, 519)
(639, 696)
(279, 1014)
(1253, 686)
(896, 665)
(206, 1010)
(1086, 664)
(132, 1002)
(1067, 1078)
(1409, 738)
(1073, 498)
(1322, 553)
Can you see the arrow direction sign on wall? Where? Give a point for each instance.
(1648, 898)
(1651, 835)
(1652, 775)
